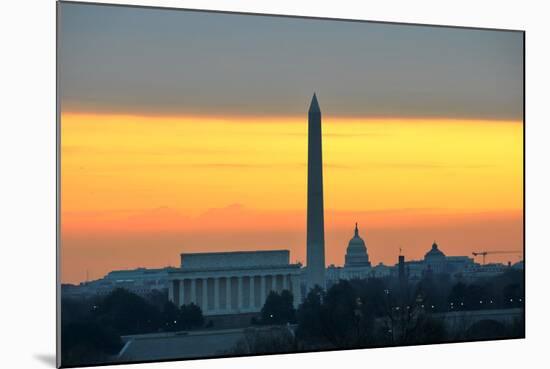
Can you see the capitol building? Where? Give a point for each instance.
(357, 264)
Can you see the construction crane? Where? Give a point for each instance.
(485, 253)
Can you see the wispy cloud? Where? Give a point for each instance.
(230, 165)
(166, 151)
(351, 135)
(427, 165)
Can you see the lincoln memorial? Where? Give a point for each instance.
(233, 282)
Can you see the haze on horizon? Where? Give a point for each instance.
(184, 131)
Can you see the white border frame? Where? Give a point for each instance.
(28, 152)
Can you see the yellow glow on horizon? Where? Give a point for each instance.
(117, 162)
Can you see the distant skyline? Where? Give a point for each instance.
(186, 131)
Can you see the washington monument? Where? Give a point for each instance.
(315, 211)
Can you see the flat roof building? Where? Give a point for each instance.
(233, 282)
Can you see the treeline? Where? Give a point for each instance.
(381, 312)
(358, 313)
(503, 291)
(92, 328)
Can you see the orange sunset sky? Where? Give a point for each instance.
(137, 191)
(186, 132)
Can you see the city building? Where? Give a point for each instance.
(356, 263)
(356, 253)
(477, 271)
(141, 281)
(436, 262)
(233, 282)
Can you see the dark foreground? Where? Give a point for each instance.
(123, 327)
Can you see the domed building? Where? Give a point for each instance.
(435, 260)
(357, 264)
(435, 254)
(356, 253)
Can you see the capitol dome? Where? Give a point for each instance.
(434, 253)
(356, 253)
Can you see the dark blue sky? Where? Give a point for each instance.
(146, 61)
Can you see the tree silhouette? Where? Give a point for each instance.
(128, 313)
(170, 316)
(88, 342)
(309, 317)
(191, 316)
(278, 308)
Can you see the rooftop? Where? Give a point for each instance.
(235, 259)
